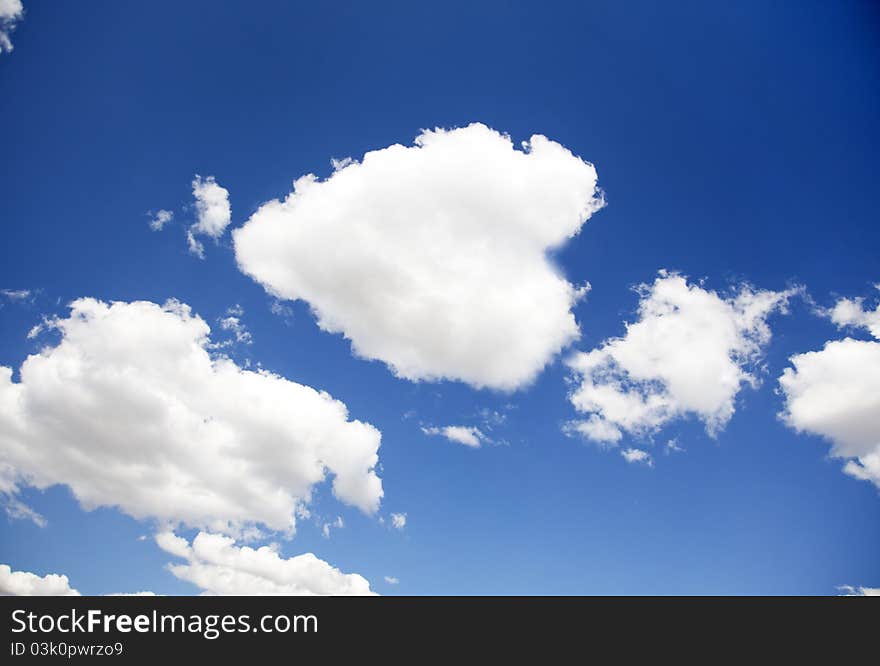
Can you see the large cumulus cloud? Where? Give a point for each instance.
(130, 410)
(433, 258)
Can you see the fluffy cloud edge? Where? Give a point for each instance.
(834, 392)
(25, 583)
(214, 564)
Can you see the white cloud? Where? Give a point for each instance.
(491, 418)
(637, 456)
(216, 565)
(213, 212)
(11, 12)
(340, 164)
(326, 527)
(160, 219)
(689, 353)
(16, 294)
(466, 435)
(18, 510)
(235, 326)
(672, 446)
(398, 520)
(212, 205)
(391, 580)
(280, 309)
(835, 393)
(433, 258)
(18, 297)
(195, 246)
(850, 591)
(596, 429)
(14, 507)
(171, 543)
(24, 583)
(130, 410)
(851, 312)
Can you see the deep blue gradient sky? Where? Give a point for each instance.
(734, 141)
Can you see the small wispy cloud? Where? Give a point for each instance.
(637, 456)
(467, 435)
(18, 510)
(672, 446)
(159, 219)
(281, 309)
(195, 247)
(16, 294)
(232, 322)
(336, 524)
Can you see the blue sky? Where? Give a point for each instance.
(734, 142)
